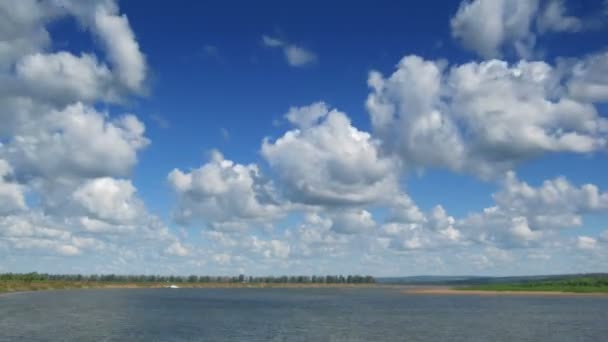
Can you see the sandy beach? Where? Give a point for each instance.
(444, 290)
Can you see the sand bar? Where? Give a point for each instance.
(444, 290)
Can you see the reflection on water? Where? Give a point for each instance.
(296, 315)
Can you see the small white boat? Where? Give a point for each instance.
(174, 287)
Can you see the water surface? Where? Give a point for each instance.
(296, 315)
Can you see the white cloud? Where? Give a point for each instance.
(526, 215)
(75, 160)
(589, 78)
(299, 56)
(554, 18)
(352, 221)
(64, 77)
(92, 225)
(122, 47)
(25, 37)
(224, 194)
(432, 230)
(406, 113)
(307, 116)
(62, 150)
(177, 249)
(109, 199)
(12, 198)
(492, 28)
(603, 237)
(21, 31)
(486, 26)
(553, 197)
(269, 249)
(68, 250)
(483, 117)
(331, 162)
(272, 41)
(586, 243)
(295, 55)
(315, 238)
(76, 142)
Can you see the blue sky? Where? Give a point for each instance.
(224, 137)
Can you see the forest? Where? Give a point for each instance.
(11, 282)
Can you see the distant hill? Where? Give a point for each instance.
(480, 280)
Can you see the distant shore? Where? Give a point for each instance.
(446, 290)
(18, 286)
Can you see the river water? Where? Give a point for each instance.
(370, 314)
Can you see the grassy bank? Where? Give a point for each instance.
(21, 286)
(571, 285)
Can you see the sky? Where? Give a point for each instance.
(225, 137)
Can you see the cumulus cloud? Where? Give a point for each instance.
(554, 18)
(225, 194)
(63, 77)
(352, 221)
(21, 29)
(314, 238)
(11, 194)
(482, 117)
(525, 215)
(78, 142)
(67, 76)
(336, 196)
(586, 243)
(492, 28)
(59, 148)
(295, 55)
(588, 80)
(423, 231)
(109, 199)
(556, 196)
(177, 249)
(122, 47)
(329, 162)
(485, 26)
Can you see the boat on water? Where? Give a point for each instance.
(174, 287)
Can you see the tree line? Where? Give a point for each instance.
(119, 278)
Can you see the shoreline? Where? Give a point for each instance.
(50, 286)
(448, 291)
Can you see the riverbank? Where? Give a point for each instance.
(20, 286)
(445, 290)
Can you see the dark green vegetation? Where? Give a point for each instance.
(481, 280)
(10, 282)
(586, 284)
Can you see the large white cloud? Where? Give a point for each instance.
(482, 117)
(330, 162)
(62, 77)
(77, 141)
(525, 215)
(61, 149)
(22, 29)
(407, 113)
(109, 199)
(26, 41)
(224, 194)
